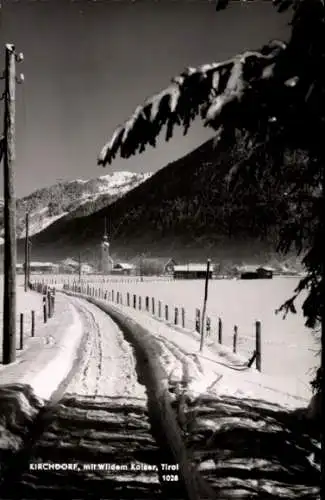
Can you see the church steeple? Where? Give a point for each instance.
(106, 260)
(105, 237)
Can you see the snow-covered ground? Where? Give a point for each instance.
(26, 302)
(233, 420)
(216, 367)
(25, 383)
(289, 349)
(102, 417)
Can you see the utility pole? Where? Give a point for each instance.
(80, 267)
(10, 252)
(141, 267)
(207, 276)
(28, 259)
(26, 251)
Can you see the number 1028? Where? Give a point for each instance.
(170, 477)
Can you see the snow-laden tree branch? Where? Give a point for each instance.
(207, 91)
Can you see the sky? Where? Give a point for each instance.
(88, 64)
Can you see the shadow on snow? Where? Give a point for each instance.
(251, 449)
(80, 429)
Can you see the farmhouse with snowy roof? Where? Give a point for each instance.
(254, 272)
(39, 267)
(192, 271)
(124, 268)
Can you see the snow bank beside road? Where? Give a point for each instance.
(47, 381)
(27, 385)
(18, 409)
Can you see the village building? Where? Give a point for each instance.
(68, 266)
(265, 272)
(155, 266)
(39, 268)
(246, 272)
(254, 272)
(191, 271)
(71, 266)
(124, 269)
(87, 269)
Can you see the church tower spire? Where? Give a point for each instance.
(105, 237)
(106, 260)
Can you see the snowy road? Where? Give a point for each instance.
(101, 418)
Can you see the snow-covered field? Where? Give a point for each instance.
(289, 349)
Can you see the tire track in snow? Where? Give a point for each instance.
(102, 418)
(90, 351)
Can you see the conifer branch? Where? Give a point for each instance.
(207, 91)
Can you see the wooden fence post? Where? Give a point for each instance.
(166, 312)
(33, 324)
(183, 317)
(208, 326)
(235, 338)
(176, 316)
(197, 320)
(258, 346)
(134, 301)
(128, 299)
(53, 300)
(44, 309)
(147, 304)
(159, 309)
(220, 331)
(21, 331)
(153, 307)
(49, 303)
(139, 302)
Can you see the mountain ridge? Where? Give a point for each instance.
(184, 210)
(70, 199)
